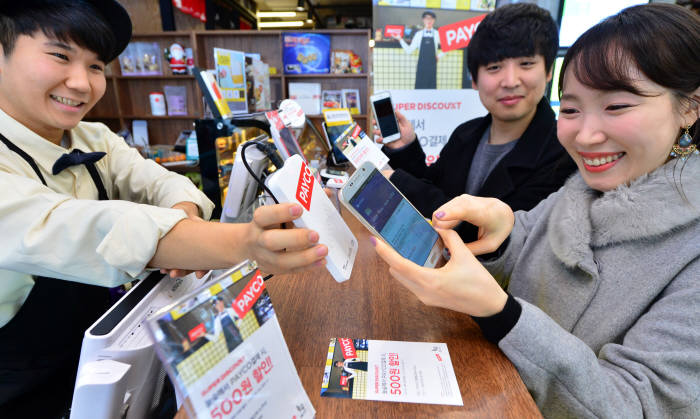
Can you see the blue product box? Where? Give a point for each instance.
(306, 53)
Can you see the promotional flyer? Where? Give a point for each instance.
(413, 372)
(223, 349)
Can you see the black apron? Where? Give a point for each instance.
(426, 71)
(231, 333)
(40, 346)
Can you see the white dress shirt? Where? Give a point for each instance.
(63, 231)
(418, 38)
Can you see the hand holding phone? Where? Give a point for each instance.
(408, 135)
(380, 207)
(385, 117)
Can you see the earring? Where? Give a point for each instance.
(685, 146)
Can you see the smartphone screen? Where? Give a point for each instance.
(399, 224)
(385, 117)
(332, 133)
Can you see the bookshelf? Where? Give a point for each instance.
(126, 97)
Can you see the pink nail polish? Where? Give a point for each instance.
(439, 214)
(373, 240)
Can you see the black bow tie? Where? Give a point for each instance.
(75, 158)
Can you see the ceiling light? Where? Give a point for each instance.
(281, 24)
(277, 14)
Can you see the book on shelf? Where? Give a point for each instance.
(305, 53)
(230, 74)
(307, 95)
(351, 100)
(332, 99)
(257, 83)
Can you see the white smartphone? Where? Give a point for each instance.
(384, 114)
(380, 207)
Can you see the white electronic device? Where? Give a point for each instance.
(334, 178)
(119, 374)
(242, 186)
(384, 114)
(380, 207)
(295, 182)
(334, 174)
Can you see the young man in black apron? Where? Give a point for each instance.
(81, 211)
(428, 42)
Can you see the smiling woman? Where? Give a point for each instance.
(601, 299)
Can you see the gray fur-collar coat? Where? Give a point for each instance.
(610, 289)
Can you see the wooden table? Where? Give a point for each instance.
(312, 308)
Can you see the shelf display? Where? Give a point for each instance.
(127, 95)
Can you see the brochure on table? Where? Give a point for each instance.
(414, 372)
(354, 142)
(223, 348)
(230, 74)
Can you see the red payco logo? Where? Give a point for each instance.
(343, 380)
(457, 35)
(348, 348)
(305, 186)
(249, 295)
(393, 30)
(196, 332)
(356, 131)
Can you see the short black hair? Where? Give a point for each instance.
(513, 30)
(428, 13)
(69, 20)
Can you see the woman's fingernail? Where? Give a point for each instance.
(321, 251)
(313, 236)
(439, 214)
(320, 262)
(295, 210)
(373, 240)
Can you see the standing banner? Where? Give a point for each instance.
(420, 56)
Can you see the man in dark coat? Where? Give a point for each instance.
(512, 153)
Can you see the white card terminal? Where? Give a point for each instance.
(295, 182)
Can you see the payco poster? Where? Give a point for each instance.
(420, 57)
(392, 371)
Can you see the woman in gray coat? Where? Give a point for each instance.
(594, 294)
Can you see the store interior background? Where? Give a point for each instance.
(241, 14)
(316, 14)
